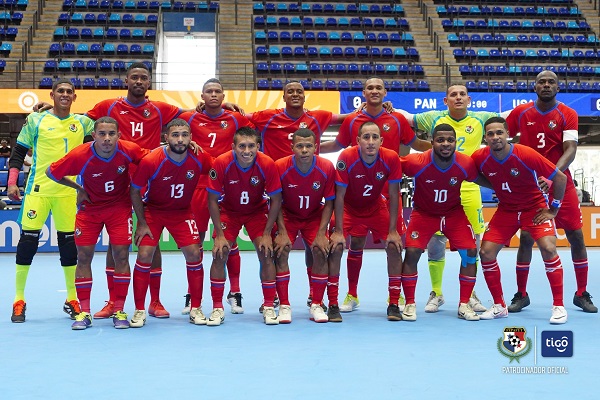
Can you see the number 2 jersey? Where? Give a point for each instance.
(304, 192)
(139, 123)
(514, 178)
(171, 184)
(105, 180)
(364, 182)
(437, 191)
(51, 138)
(243, 189)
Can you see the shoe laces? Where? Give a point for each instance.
(157, 305)
(18, 307)
(75, 305)
(586, 295)
(138, 314)
(109, 304)
(81, 316)
(120, 315)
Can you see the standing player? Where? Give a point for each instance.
(363, 171)
(51, 134)
(395, 131)
(243, 176)
(438, 176)
(171, 175)
(213, 130)
(513, 171)
(551, 128)
(468, 126)
(306, 179)
(103, 169)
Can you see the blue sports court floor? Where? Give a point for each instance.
(365, 357)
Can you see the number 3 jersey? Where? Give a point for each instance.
(514, 178)
(170, 184)
(243, 189)
(364, 182)
(105, 180)
(437, 191)
(139, 123)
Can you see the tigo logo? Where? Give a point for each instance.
(557, 344)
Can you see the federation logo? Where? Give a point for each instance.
(469, 129)
(316, 185)
(223, 225)
(453, 181)
(73, 128)
(224, 124)
(340, 165)
(254, 180)
(32, 214)
(514, 344)
(303, 125)
(386, 127)
(414, 235)
(121, 169)
(212, 174)
(379, 176)
(147, 113)
(552, 124)
(514, 172)
(189, 174)
(77, 232)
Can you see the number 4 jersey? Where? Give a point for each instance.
(170, 184)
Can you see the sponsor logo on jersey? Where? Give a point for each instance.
(292, 185)
(166, 178)
(190, 174)
(202, 124)
(430, 181)
(469, 129)
(73, 128)
(340, 165)
(254, 181)
(552, 124)
(224, 124)
(530, 123)
(123, 112)
(97, 175)
(212, 174)
(359, 176)
(453, 181)
(233, 182)
(316, 185)
(147, 113)
(121, 169)
(379, 176)
(514, 344)
(514, 172)
(32, 214)
(303, 125)
(386, 127)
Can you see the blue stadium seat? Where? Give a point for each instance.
(89, 83)
(139, 34)
(105, 65)
(95, 48)
(112, 34)
(122, 49)
(45, 83)
(91, 65)
(102, 83)
(108, 48)
(98, 33)
(275, 68)
(276, 84)
(124, 34)
(263, 84)
(50, 66)
(262, 68)
(119, 66)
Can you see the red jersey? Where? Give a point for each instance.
(395, 129)
(437, 191)
(214, 134)
(170, 184)
(106, 180)
(276, 128)
(515, 177)
(243, 189)
(364, 183)
(139, 123)
(544, 132)
(303, 193)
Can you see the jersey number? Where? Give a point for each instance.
(368, 189)
(244, 198)
(137, 127)
(506, 187)
(304, 200)
(441, 196)
(177, 190)
(109, 186)
(459, 144)
(192, 225)
(542, 140)
(212, 135)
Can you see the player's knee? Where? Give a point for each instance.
(467, 256)
(27, 247)
(67, 248)
(526, 241)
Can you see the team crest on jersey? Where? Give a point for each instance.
(514, 172)
(73, 128)
(212, 174)
(453, 181)
(121, 169)
(254, 180)
(147, 113)
(32, 214)
(224, 124)
(316, 185)
(340, 165)
(189, 174)
(414, 235)
(379, 176)
(77, 232)
(223, 225)
(303, 125)
(552, 124)
(469, 129)
(386, 127)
